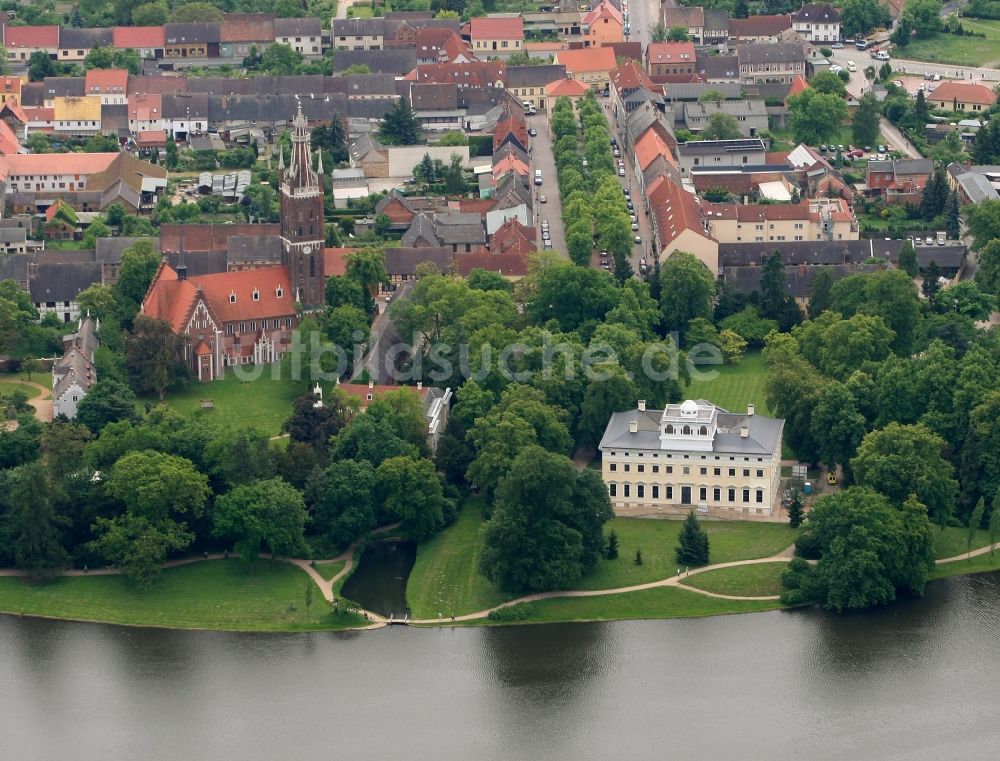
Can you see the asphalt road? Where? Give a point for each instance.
(642, 15)
(543, 158)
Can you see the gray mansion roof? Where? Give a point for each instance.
(764, 433)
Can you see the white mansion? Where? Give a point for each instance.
(695, 454)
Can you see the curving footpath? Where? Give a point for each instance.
(379, 621)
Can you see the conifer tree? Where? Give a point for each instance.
(692, 547)
(795, 512)
(611, 553)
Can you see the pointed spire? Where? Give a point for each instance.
(281, 157)
(319, 162)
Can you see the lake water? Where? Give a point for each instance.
(918, 680)
(379, 583)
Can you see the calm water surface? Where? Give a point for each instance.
(919, 680)
(379, 583)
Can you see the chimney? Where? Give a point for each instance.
(371, 385)
(744, 432)
(751, 408)
(633, 426)
(642, 405)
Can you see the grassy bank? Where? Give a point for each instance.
(954, 540)
(662, 602)
(331, 569)
(742, 581)
(978, 564)
(445, 577)
(961, 51)
(217, 594)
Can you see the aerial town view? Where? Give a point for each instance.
(500, 378)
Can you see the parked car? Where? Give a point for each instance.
(621, 171)
(837, 46)
(638, 239)
(937, 77)
(635, 228)
(543, 199)
(533, 132)
(851, 66)
(897, 82)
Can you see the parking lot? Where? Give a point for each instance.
(542, 158)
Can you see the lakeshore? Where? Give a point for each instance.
(223, 594)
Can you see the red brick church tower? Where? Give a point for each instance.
(302, 217)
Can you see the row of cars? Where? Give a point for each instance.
(850, 152)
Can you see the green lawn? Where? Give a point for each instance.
(8, 387)
(978, 564)
(728, 540)
(733, 386)
(263, 404)
(745, 580)
(42, 378)
(331, 569)
(662, 602)
(961, 51)
(217, 594)
(445, 578)
(953, 540)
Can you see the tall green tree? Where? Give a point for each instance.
(342, 499)
(544, 539)
(263, 516)
(138, 545)
(108, 401)
(158, 486)
(33, 529)
(816, 117)
(900, 460)
(953, 217)
(408, 489)
(721, 126)
(865, 125)
(908, 259)
(400, 126)
(776, 303)
(837, 426)
(154, 355)
(975, 523)
(686, 291)
(692, 543)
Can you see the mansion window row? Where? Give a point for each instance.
(638, 491)
(668, 456)
(685, 470)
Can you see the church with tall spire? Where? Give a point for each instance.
(302, 216)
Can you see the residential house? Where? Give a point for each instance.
(818, 22)
(574, 89)
(145, 113)
(720, 153)
(478, 75)
(592, 66)
(149, 41)
(55, 286)
(759, 28)
(670, 58)
(22, 41)
(496, 36)
(401, 209)
(110, 85)
(716, 27)
(60, 87)
(436, 107)
(197, 40)
(603, 25)
(692, 19)
(512, 265)
(566, 23)
(460, 231)
(718, 69)
(899, 181)
(750, 115)
(397, 61)
(653, 159)
(693, 454)
(61, 222)
(441, 45)
(513, 236)
(75, 44)
(779, 62)
(74, 374)
(677, 223)
(10, 89)
(401, 262)
(975, 184)
(358, 34)
(434, 403)
(240, 32)
(369, 154)
(959, 96)
(528, 83)
(77, 117)
(303, 35)
(810, 219)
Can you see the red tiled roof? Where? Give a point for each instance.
(39, 114)
(208, 237)
(670, 52)
(604, 10)
(104, 81)
(151, 138)
(631, 76)
(15, 110)
(964, 93)
(759, 26)
(776, 157)
(587, 60)
(172, 300)
(247, 27)
(59, 163)
(31, 37)
(511, 264)
(139, 37)
(472, 74)
(566, 88)
(156, 85)
(674, 210)
(335, 261)
(482, 28)
(361, 391)
(798, 85)
(510, 164)
(649, 147)
(473, 205)
(145, 108)
(8, 140)
(10, 85)
(512, 236)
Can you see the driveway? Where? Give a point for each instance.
(542, 158)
